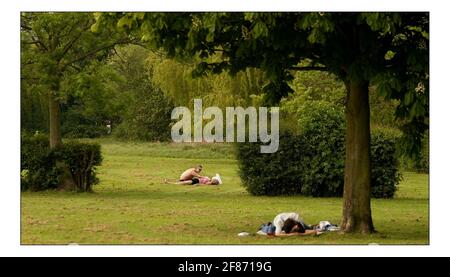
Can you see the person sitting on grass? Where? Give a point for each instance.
(191, 176)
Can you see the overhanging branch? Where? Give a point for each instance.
(93, 52)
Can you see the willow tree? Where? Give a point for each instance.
(387, 50)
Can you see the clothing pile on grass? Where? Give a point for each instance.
(323, 226)
(276, 226)
(326, 226)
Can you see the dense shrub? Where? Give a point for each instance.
(41, 166)
(271, 174)
(82, 159)
(323, 127)
(38, 170)
(385, 175)
(311, 162)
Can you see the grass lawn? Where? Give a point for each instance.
(131, 205)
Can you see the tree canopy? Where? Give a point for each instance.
(54, 47)
(390, 50)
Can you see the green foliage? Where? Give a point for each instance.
(272, 174)
(310, 160)
(175, 79)
(316, 86)
(382, 111)
(149, 118)
(422, 162)
(93, 98)
(389, 50)
(83, 131)
(39, 164)
(57, 50)
(54, 45)
(146, 110)
(150, 84)
(385, 175)
(76, 125)
(323, 127)
(33, 109)
(38, 170)
(82, 159)
(322, 86)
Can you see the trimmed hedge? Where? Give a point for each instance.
(82, 159)
(37, 167)
(40, 169)
(311, 162)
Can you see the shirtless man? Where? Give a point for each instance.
(190, 176)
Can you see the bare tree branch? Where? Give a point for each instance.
(93, 52)
(70, 43)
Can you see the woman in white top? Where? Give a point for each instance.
(291, 224)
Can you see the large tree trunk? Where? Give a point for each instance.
(67, 182)
(356, 212)
(55, 120)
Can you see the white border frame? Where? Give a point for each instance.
(10, 126)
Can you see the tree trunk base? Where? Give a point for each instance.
(361, 228)
(67, 183)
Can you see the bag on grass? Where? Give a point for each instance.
(267, 228)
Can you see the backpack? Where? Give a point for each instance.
(268, 228)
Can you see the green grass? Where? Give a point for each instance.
(131, 205)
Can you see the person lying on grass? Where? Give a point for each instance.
(295, 228)
(196, 181)
(290, 224)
